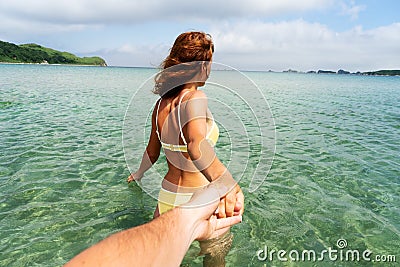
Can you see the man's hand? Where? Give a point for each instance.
(202, 209)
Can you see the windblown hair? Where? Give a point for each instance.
(184, 61)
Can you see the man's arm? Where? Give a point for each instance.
(163, 241)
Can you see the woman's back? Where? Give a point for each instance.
(171, 122)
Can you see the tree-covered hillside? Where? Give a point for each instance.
(33, 53)
(383, 72)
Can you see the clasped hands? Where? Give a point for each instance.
(231, 201)
(202, 209)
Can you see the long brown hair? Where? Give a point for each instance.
(190, 49)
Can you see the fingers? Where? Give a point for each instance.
(238, 209)
(212, 225)
(134, 177)
(230, 201)
(209, 196)
(232, 204)
(221, 208)
(203, 196)
(227, 222)
(203, 208)
(239, 205)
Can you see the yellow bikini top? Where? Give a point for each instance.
(211, 137)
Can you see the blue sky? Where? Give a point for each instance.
(249, 35)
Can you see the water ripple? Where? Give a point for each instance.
(62, 170)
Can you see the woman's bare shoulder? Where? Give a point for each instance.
(196, 103)
(198, 94)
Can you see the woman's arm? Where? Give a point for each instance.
(151, 153)
(203, 155)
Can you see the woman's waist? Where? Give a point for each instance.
(181, 181)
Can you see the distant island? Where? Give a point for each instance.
(34, 53)
(378, 72)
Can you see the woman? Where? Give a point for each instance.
(183, 126)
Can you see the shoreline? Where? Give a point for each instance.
(48, 64)
(366, 73)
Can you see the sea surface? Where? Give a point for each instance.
(324, 155)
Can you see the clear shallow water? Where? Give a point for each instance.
(335, 174)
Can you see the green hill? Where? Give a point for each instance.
(33, 53)
(383, 72)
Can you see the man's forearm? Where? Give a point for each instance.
(171, 236)
(161, 242)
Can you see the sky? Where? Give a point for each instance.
(259, 35)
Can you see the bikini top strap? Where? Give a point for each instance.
(158, 108)
(179, 117)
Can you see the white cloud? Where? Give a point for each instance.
(279, 46)
(351, 9)
(134, 55)
(243, 36)
(134, 11)
(305, 46)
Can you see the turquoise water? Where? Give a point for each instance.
(335, 174)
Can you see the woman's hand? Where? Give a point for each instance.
(134, 177)
(232, 204)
